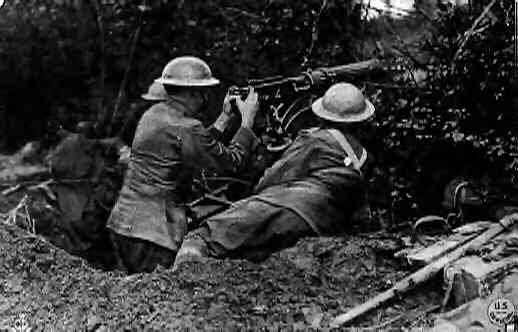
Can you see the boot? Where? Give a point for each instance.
(192, 250)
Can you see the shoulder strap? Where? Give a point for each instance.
(346, 146)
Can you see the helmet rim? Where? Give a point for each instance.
(187, 71)
(192, 82)
(336, 106)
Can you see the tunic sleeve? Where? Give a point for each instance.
(203, 150)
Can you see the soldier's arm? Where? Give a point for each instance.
(225, 125)
(213, 154)
(207, 152)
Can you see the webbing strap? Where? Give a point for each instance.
(346, 146)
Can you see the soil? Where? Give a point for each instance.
(43, 287)
(46, 288)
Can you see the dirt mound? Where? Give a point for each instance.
(299, 288)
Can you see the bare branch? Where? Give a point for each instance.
(242, 12)
(314, 35)
(125, 78)
(102, 61)
(470, 32)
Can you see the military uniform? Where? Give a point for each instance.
(314, 189)
(148, 220)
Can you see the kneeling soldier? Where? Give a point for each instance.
(148, 221)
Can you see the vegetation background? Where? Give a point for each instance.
(447, 108)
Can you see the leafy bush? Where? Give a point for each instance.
(461, 120)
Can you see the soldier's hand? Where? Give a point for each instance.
(227, 107)
(248, 108)
(224, 118)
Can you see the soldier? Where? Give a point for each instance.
(171, 145)
(315, 188)
(155, 94)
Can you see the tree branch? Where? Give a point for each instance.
(242, 12)
(470, 32)
(314, 35)
(102, 73)
(125, 78)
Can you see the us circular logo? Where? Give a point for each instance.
(501, 311)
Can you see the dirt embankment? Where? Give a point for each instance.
(46, 288)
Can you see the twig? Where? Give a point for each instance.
(242, 12)
(37, 184)
(102, 60)
(314, 35)
(398, 317)
(125, 78)
(470, 32)
(410, 56)
(11, 190)
(397, 10)
(385, 323)
(385, 85)
(53, 181)
(364, 21)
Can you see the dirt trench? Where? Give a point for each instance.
(45, 288)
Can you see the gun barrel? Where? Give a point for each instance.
(347, 72)
(356, 68)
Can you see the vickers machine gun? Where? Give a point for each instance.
(285, 101)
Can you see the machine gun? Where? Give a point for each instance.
(285, 101)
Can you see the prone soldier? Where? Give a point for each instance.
(315, 188)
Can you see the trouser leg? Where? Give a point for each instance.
(249, 229)
(136, 255)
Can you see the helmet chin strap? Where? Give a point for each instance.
(205, 99)
(202, 109)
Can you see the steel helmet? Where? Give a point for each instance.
(187, 71)
(155, 92)
(343, 102)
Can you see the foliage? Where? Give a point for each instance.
(58, 69)
(48, 55)
(461, 119)
(56, 55)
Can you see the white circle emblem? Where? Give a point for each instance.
(501, 311)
